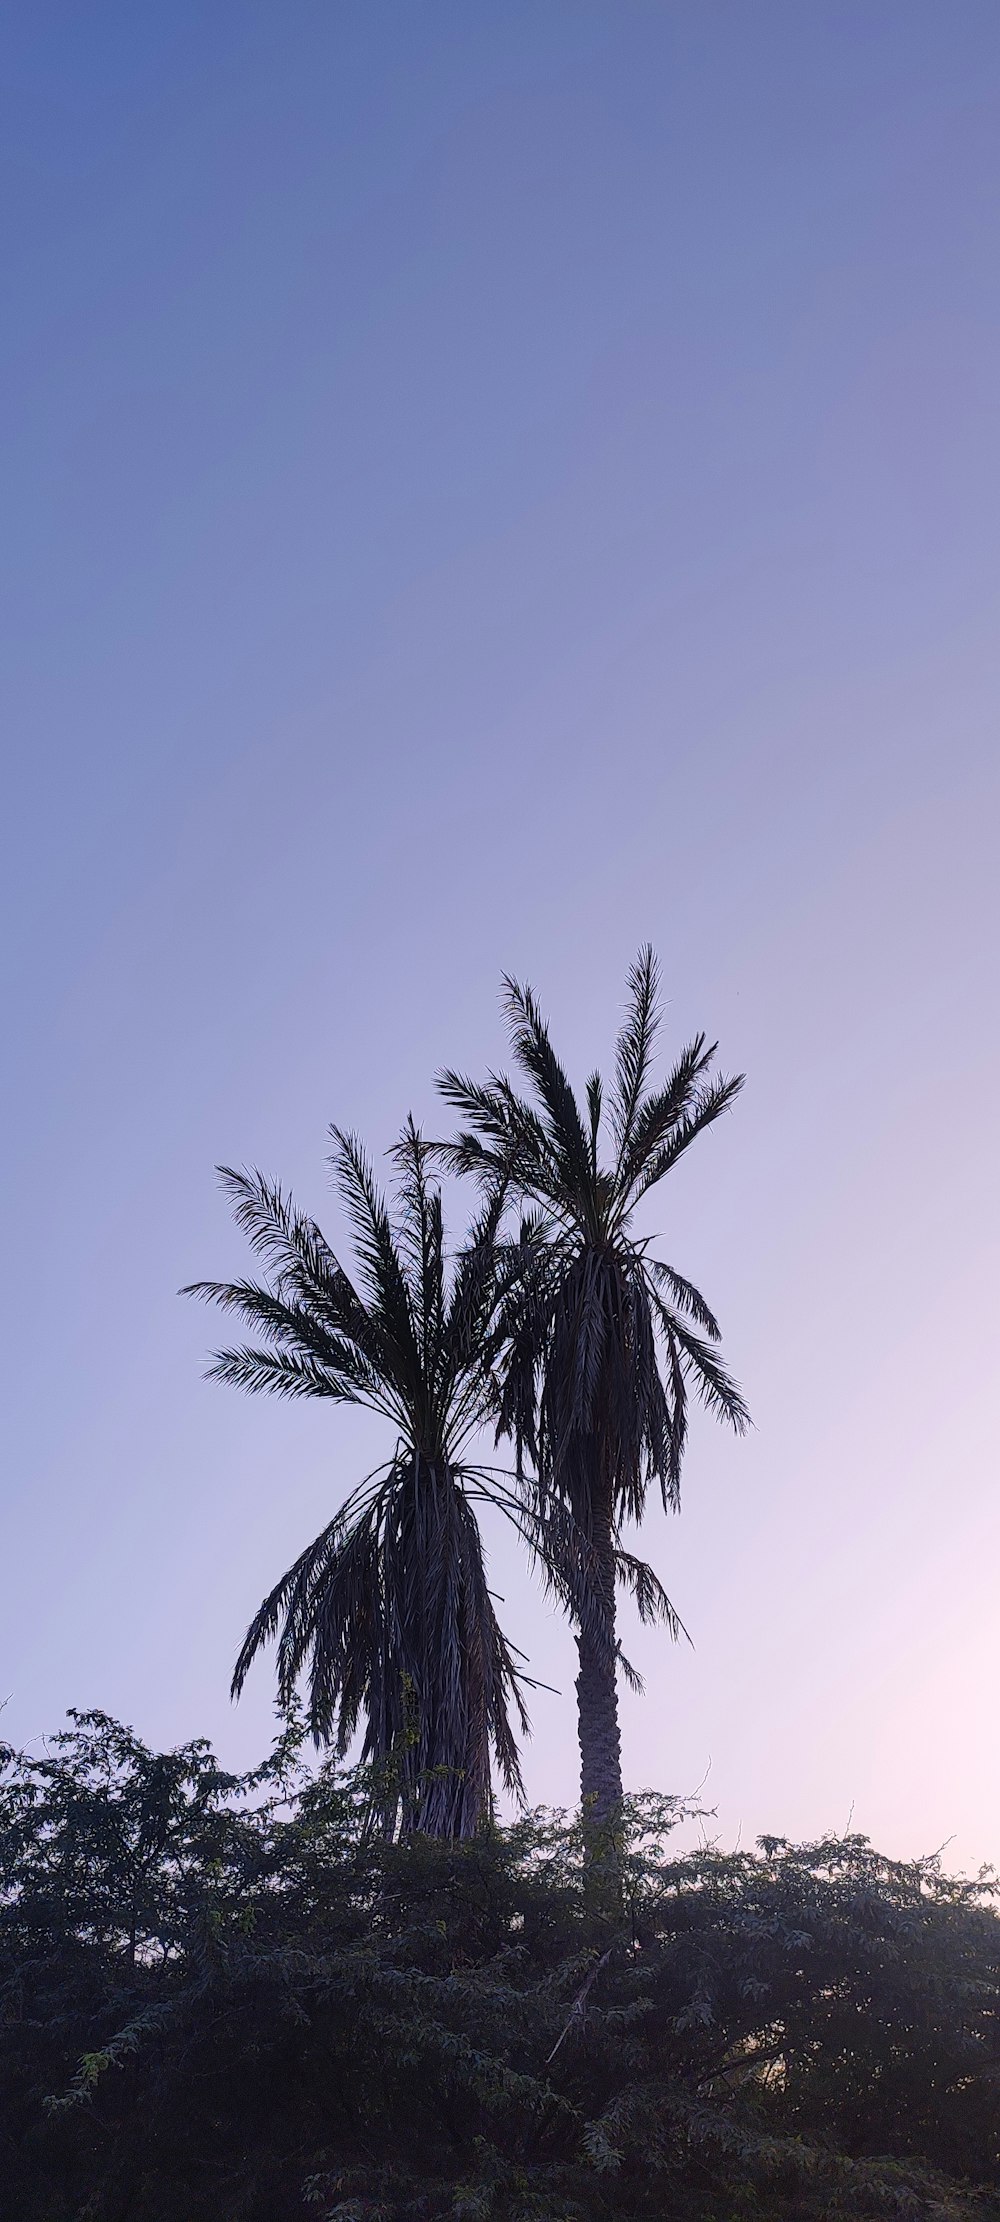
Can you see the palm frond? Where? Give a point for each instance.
(294, 1324)
(594, 1102)
(263, 1211)
(268, 1617)
(303, 1265)
(651, 1600)
(533, 1051)
(389, 1295)
(687, 1296)
(283, 1372)
(630, 1674)
(714, 1384)
(633, 1049)
(717, 1098)
(516, 1142)
(660, 1112)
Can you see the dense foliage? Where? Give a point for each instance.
(235, 1999)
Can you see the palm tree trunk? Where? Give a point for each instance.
(445, 1751)
(597, 1681)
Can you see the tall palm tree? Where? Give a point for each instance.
(388, 1612)
(604, 1340)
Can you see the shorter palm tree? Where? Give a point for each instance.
(388, 1613)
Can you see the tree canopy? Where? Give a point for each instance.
(229, 1999)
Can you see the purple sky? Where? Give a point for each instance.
(483, 486)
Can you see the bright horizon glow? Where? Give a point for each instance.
(484, 488)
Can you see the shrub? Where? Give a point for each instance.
(230, 1999)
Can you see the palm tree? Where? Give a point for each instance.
(604, 1340)
(389, 1611)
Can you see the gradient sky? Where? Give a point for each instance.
(484, 485)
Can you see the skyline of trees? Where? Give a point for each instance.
(348, 1990)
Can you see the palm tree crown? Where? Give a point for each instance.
(389, 1611)
(603, 1341)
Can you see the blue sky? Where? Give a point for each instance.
(481, 487)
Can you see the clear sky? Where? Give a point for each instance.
(482, 486)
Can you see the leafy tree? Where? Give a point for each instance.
(233, 2000)
(604, 1339)
(389, 1610)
